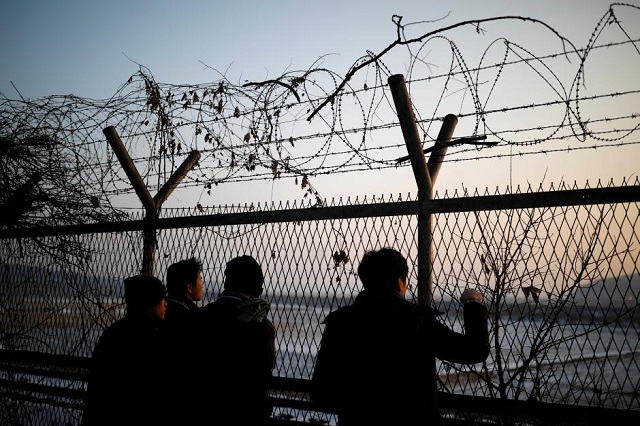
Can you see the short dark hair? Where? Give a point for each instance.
(182, 273)
(379, 270)
(244, 274)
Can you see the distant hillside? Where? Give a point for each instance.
(608, 301)
(601, 295)
(43, 282)
(610, 293)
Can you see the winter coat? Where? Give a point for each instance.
(181, 333)
(180, 328)
(126, 374)
(180, 312)
(239, 350)
(376, 361)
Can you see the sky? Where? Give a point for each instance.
(90, 48)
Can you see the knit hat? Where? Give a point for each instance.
(143, 291)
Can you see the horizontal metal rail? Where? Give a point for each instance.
(75, 369)
(476, 203)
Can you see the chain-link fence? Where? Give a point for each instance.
(559, 270)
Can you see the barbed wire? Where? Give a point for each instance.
(315, 122)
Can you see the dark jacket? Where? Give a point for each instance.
(180, 312)
(126, 374)
(239, 349)
(376, 362)
(180, 327)
(180, 333)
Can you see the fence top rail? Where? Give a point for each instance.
(609, 195)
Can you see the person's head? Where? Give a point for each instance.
(384, 271)
(184, 279)
(145, 293)
(244, 275)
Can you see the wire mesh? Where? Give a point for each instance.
(562, 285)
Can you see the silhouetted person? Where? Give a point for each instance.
(376, 361)
(239, 348)
(185, 288)
(127, 368)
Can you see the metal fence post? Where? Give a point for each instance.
(423, 180)
(151, 205)
(425, 176)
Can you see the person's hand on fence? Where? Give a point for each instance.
(471, 295)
